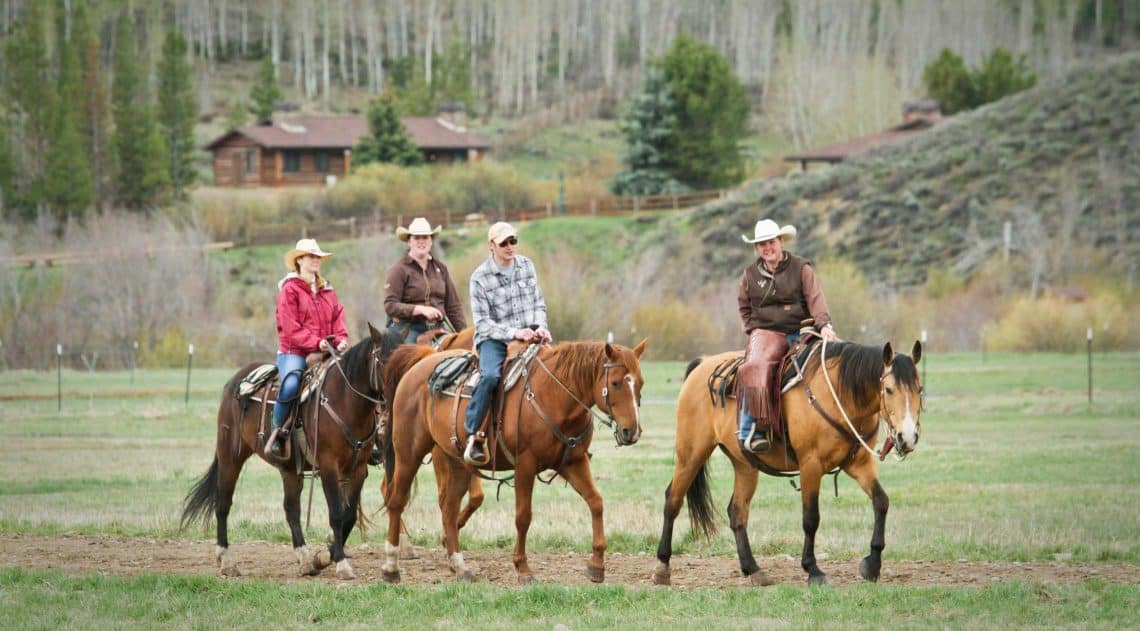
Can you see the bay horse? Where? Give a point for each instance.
(340, 426)
(547, 423)
(871, 387)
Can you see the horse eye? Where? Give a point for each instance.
(889, 391)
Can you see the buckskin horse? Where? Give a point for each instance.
(828, 427)
(547, 423)
(339, 423)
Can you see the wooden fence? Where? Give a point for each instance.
(353, 227)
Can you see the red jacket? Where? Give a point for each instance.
(305, 318)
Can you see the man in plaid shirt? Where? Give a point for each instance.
(505, 302)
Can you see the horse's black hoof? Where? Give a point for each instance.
(819, 579)
(868, 571)
(390, 577)
(595, 574)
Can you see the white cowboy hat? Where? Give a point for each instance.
(501, 231)
(419, 227)
(767, 229)
(304, 246)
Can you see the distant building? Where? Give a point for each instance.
(311, 149)
(918, 116)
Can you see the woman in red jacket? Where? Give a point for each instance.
(308, 315)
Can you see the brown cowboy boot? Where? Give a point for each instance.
(476, 453)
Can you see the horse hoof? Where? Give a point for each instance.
(407, 550)
(321, 559)
(229, 572)
(760, 578)
(390, 577)
(867, 572)
(310, 569)
(527, 579)
(465, 577)
(595, 574)
(819, 579)
(662, 578)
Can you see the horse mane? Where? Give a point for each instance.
(355, 360)
(576, 362)
(860, 369)
(398, 362)
(904, 370)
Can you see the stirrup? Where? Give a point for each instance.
(476, 452)
(757, 442)
(275, 444)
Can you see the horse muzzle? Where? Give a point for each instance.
(625, 436)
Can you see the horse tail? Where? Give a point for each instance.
(692, 366)
(699, 498)
(202, 500)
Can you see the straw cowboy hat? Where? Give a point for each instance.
(767, 229)
(304, 246)
(419, 227)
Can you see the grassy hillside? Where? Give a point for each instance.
(1058, 162)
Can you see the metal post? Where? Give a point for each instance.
(189, 362)
(59, 377)
(1089, 346)
(134, 359)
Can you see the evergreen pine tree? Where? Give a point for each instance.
(140, 173)
(712, 111)
(176, 112)
(30, 94)
(69, 187)
(948, 81)
(647, 124)
(265, 92)
(95, 109)
(389, 141)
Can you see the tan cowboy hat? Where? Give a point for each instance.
(418, 227)
(500, 231)
(304, 246)
(767, 229)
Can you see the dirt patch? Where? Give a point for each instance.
(122, 556)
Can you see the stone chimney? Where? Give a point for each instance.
(454, 112)
(927, 111)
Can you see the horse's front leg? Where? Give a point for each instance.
(810, 475)
(524, 492)
(864, 470)
(578, 475)
(451, 496)
(338, 513)
(744, 487)
(309, 565)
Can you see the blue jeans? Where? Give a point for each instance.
(492, 353)
(289, 370)
(747, 421)
(414, 330)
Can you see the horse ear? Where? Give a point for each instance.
(611, 354)
(916, 352)
(640, 348)
(373, 333)
(888, 354)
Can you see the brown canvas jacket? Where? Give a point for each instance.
(408, 285)
(780, 301)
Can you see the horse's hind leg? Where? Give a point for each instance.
(744, 488)
(228, 471)
(474, 501)
(688, 467)
(864, 471)
(810, 475)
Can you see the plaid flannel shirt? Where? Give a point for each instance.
(502, 301)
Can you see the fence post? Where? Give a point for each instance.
(636, 205)
(447, 217)
(352, 227)
(134, 359)
(1089, 347)
(59, 377)
(674, 201)
(593, 207)
(189, 362)
(925, 354)
(549, 209)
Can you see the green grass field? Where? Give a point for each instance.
(1014, 465)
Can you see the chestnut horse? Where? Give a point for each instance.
(340, 427)
(547, 423)
(832, 418)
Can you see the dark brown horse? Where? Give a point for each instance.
(833, 418)
(339, 424)
(546, 424)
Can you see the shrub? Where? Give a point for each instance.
(482, 185)
(1052, 324)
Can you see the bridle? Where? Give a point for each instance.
(608, 420)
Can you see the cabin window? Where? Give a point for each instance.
(322, 162)
(251, 160)
(292, 161)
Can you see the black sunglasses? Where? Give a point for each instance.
(508, 241)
